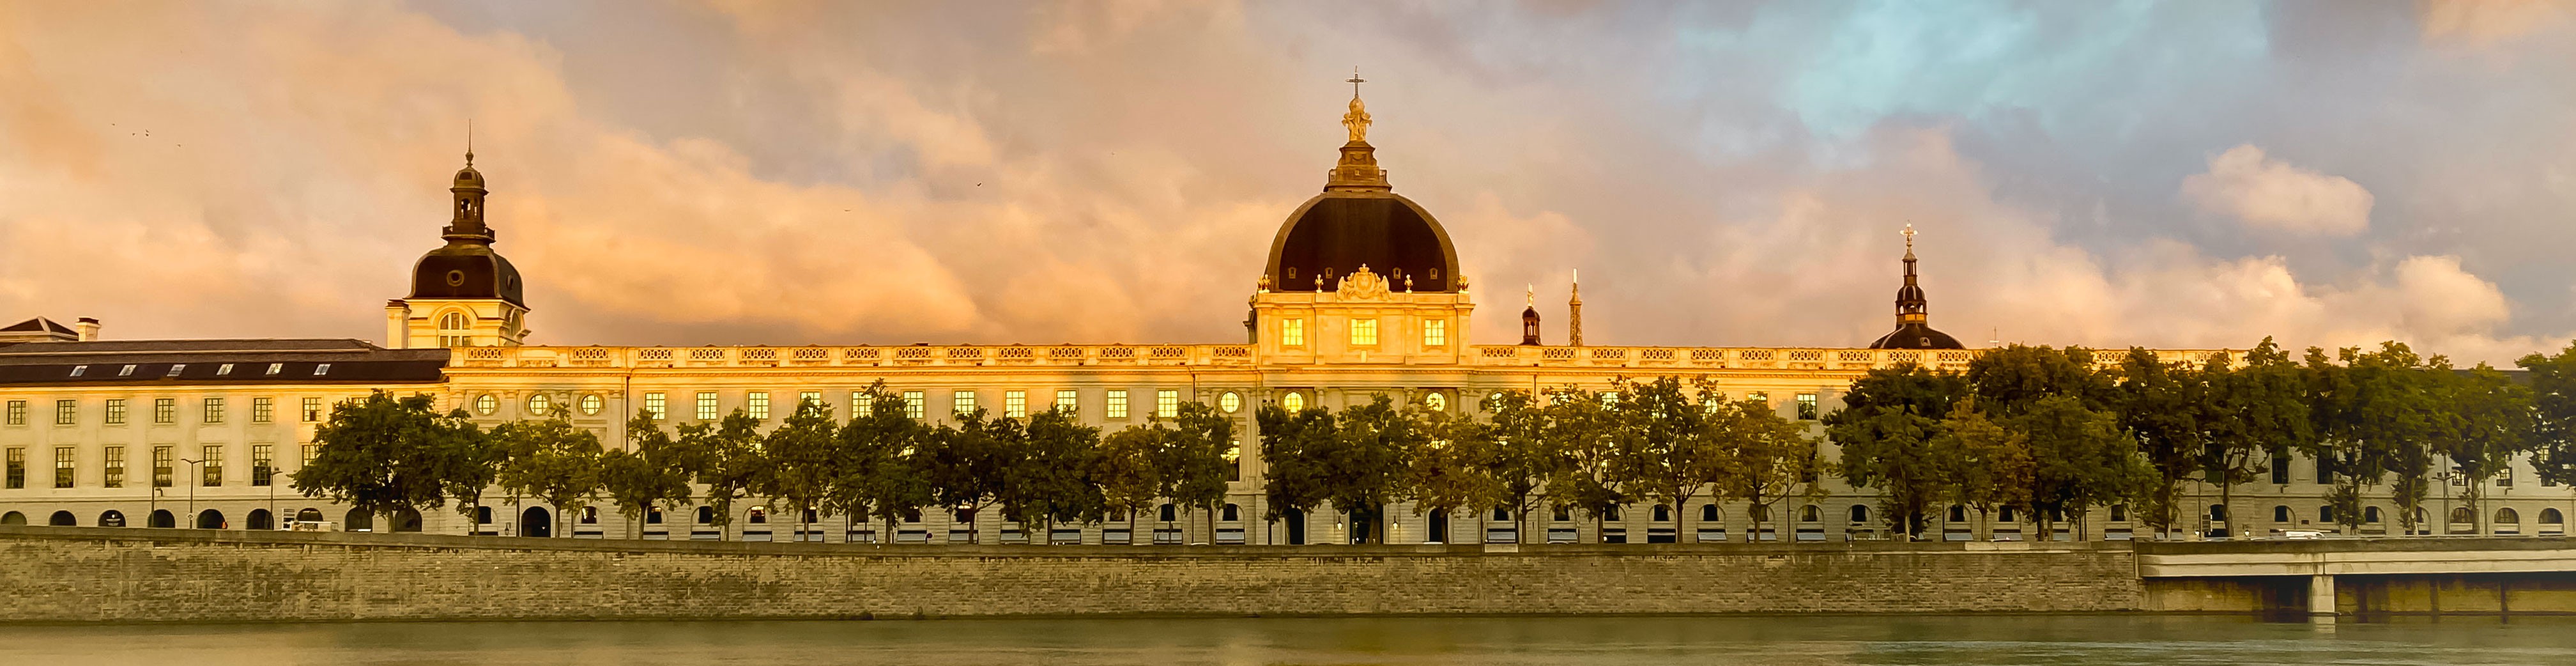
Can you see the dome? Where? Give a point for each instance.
(1916, 336)
(466, 270)
(1336, 233)
(1913, 313)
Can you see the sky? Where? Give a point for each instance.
(675, 172)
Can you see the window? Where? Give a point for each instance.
(1015, 404)
(66, 412)
(541, 405)
(862, 403)
(79, 370)
(214, 410)
(486, 404)
(2504, 477)
(17, 412)
(274, 368)
(914, 404)
(17, 467)
(114, 476)
(1435, 401)
(757, 403)
(321, 369)
(62, 467)
(2119, 513)
(806, 400)
(1610, 399)
(706, 405)
(592, 403)
(1293, 402)
(1167, 403)
(1364, 332)
(1233, 460)
(116, 411)
(962, 401)
(175, 368)
(455, 330)
(312, 410)
(1230, 402)
(656, 405)
(1117, 408)
(2325, 514)
(2280, 514)
(2280, 466)
(127, 371)
(1435, 332)
(224, 369)
(1759, 396)
(1068, 402)
(263, 469)
(165, 410)
(1807, 406)
(311, 450)
(262, 410)
(1292, 333)
(212, 464)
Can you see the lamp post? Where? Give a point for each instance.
(199, 475)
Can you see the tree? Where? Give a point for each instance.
(466, 461)
(1129, 480)
(2080, 459)
(1193, 466)
(2260, 409)
(1980, 463)
(1581, 430)
(2495, 423)
(1885, 428)
(1049, 480)
(1364, 462)
(1296, 446)
(1774, 459)
(1457, 469)
(2376, 417)
(2168, 408)
(552, 461)
(2008, 381)
(648, 474)
(726, 455)
(799, 461)
(379, 454)
(967, 464)
(879, 463)
(1673, 446)
(2553, 400)
(1521, 461)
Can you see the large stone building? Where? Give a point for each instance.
(1362, 296)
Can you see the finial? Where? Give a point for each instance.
(1531, 298)
(469, 142)
(1909, 238)
(1358, 118)
(1355, 81)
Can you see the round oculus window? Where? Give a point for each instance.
(486, 404)
(456, 278)
(540, 405)
(1229, 402)
(1435, 401)
(591, 404)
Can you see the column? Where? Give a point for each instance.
(2321, 597)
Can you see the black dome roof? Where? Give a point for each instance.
(1336, 233)
(1916, 336)
(466, 270)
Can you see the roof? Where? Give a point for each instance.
(40, 324)
(297, 361)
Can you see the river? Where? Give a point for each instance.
(2083, 640)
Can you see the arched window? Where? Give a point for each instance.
(1610, 512)
(759, 515)
(2507, 516)
(1231, 513)
(2218, 513)
(1760, 513)
(2119, 513)
(1708, 513)
(161, 518)
(309, 515)
(1859, 514)
(590, 515)
(1809, 514)
(811, 516)
(111, 518)
(2462, 515)
(407, 519)
(1958, 513)
(1561, 515)
(455, 329)
(2369, 514)
(653, 517)
(261, 519)
(2552, 517)
(2280, 514)
(211, 519)
(706, 515)
(482, 515)
(1502, 514)
(1168, 512)
(1663, 514)
(13, 518)
(62, 519)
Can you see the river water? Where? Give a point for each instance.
(2082, 640)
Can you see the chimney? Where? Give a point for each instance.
(88, 327)
(397, 324)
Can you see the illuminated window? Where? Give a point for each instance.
(17, 468)
(1435, 332)
(706, 405)
(164, 410)
(312, 410)
(1807, 406)
(263, 410)
(1117, 404)
(809, 400)
(592, 403)
(263, 468)
(757, 404)
(161, 458)
(1293, 401)
(1068, 402)
(862, 403)
(962, 401)
(1364, 332)
(1435, 401)
(62, 467)
(913, 404)
(1229, 402)
(1292, 333)
(1015, 404)
(66, 412)
(1167, 403)
(541, 405)
(486, 404)
(655, 405)
(115, 472)
(17, 412)
(210, 465)
(116, 411)
(454, 330)
(214, 410)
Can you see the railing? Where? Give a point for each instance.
(1768, 358)
(915, 355)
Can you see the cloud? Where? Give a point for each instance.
(2268, 193)
(2487, 23)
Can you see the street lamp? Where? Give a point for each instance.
(194, 472)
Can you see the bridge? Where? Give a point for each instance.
(2399, 575)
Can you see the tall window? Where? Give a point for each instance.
(913, 405)
(114, 476)
(1117, 408)
(262, 468)
(1015, 404)
(657, 405)
(165, 410)
(116, 411)
(215, 410)
(757, 402)
(455, 330)
(161, 459)
(1292, 333)
(706, 405)
(2280, 466)
(962, 401)
(809, 400)
(212, 464)
(1067, 402)
(862, 403)
(310, 450)
(1363, 332)
(17, 412)
(312, 410)
(263, 410)
(1167, 403)
(1234, 460)
(17, 467)
(62, 467)
(1435, 332)
(1807, 406)
(66, 412)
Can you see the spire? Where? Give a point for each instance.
(1358, 170)
(1574, 312)
(467, 226)
(1529, 318)
(1909, 298)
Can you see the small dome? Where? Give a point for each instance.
(1916, 336)
(466, 270)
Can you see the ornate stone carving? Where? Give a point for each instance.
(1363, 285)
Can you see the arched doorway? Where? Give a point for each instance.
(210, 519)
(112, 518)
(358, 520)
(1296, 527)
(407, 520)
(536, 522)
(162, 518)
(308, 515)
(62, 519)
(1439, 530)
(13, 518)
(261, 519)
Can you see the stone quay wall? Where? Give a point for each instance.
(73, 574)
